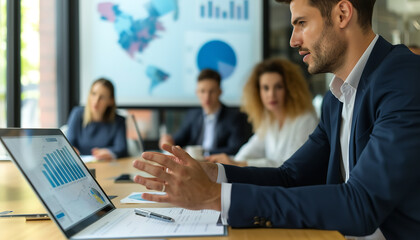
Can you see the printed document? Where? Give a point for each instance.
(187, 223)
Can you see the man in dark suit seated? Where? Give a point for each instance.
(217, 128)
(359, 171)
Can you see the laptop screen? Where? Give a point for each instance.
(58, 176)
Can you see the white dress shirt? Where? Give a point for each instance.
(209, 130)
(271, 145)
(345, 91)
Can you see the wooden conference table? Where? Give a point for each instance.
(16, 195)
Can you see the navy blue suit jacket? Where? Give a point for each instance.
(232, 130)
(384, 186)
(111, 135)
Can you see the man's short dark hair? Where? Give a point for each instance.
(364, 9)
(209, 74)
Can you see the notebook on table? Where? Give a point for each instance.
(78, 204)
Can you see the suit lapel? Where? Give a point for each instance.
(335, 176)
(379, 52)
(219, 127)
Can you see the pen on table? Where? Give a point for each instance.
(149, 214)
(29, 217)
(5, 212)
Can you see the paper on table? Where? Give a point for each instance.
(88, 158)
(187, 223)
(135, 197)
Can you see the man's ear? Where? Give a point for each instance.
(344, 12)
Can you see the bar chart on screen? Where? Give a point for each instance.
(60, 168)
(224, 10)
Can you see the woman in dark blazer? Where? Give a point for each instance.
(96, 129)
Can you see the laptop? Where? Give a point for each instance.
(73, 198)
(139, 141)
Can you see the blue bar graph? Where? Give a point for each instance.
(246, 9)
(61, 168)
(231, 9)
(202, 11)
(210, 9)
(48, 178)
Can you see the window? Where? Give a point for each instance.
(3, 62)
(38, 63)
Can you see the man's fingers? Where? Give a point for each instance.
(182, 155)
(167, 147)
(156, 179)
(149, 183)
(157, 171)
(162, 159)
(155, 197)
(162, 154)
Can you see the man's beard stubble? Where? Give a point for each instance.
(328, 52)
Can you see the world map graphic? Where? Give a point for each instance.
(135, 35)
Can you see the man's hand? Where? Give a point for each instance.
(210, 169)
(219, 158)
(185, 181)
(224, 159)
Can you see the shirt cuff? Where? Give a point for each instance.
(225, 198)
(221, 174)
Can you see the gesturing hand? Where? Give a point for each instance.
(219, 158)
(183, 179)
(224, 159)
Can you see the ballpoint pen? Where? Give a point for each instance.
(149, 214)
(5, 212)
(29, 217)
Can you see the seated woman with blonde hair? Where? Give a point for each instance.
(279, 106)
(96, 129)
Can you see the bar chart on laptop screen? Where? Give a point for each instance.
(60, 168)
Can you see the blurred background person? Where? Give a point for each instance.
(96, 129)
(215, 127)
(279, 106)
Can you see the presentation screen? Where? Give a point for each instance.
(153, 50)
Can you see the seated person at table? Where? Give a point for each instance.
(96, 129)
(215, 127)
(278, 103)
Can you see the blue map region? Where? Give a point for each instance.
(156, 76)
(136, 35)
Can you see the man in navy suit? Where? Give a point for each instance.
(217, 128)
(358, 171)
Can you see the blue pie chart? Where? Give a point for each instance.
(219, 56)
